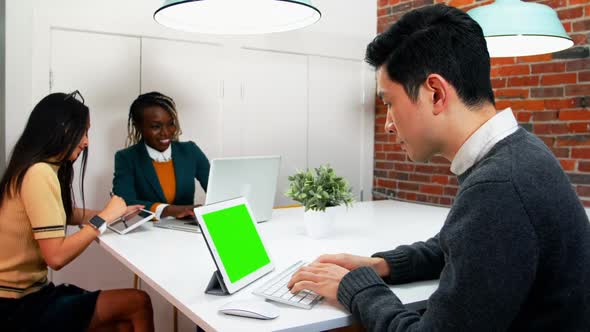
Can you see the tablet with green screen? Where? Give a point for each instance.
(234, 242)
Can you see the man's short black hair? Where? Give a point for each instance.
(440, 40)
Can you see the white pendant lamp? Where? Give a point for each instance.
(236, 17)
(516, 28)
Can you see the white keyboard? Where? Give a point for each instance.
(276, 290)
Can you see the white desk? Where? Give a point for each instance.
(178, 264)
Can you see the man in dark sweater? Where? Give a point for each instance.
(514, 252)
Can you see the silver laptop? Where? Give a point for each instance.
(254, 178)
(187, 225)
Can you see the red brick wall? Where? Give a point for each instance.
(549, 94)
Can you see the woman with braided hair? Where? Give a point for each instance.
(156, 170)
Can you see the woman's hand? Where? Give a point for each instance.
(132, 211)
(115, 208)
(178, 211)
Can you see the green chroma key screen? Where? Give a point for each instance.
(237, 242)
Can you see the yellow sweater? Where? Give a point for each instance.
(35, 213)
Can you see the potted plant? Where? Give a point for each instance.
(317, 191)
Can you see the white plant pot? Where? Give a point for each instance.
(318, 224)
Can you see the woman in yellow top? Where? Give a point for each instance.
(35, 206)
(157, 170)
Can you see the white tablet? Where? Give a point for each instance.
(127, 223)
(232, 237)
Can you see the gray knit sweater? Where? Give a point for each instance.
(513, 254)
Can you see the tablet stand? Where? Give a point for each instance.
(216, 285)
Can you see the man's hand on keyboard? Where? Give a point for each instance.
(321, 278)
(351, 262)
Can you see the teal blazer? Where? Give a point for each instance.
(136, 181)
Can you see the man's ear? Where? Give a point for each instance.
(438, 91)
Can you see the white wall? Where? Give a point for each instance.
(343, 33)
(18, 70)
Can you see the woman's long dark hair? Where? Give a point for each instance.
(54, 130)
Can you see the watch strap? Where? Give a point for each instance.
(102, 228)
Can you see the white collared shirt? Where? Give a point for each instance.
(483, 140)
(160, 157)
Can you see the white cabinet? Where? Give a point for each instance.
(190, 74)
(105, 69)
(308, 109)
(270, 117)
(335, 117)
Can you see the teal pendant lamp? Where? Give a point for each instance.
(236, 17)
(516, 28)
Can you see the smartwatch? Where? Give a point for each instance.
(98, 223)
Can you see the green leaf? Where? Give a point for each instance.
(319, 188)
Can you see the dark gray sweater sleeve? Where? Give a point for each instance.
(491, 249)
(419, 261)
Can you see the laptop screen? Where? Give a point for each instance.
(254, 178)
(237, 241)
